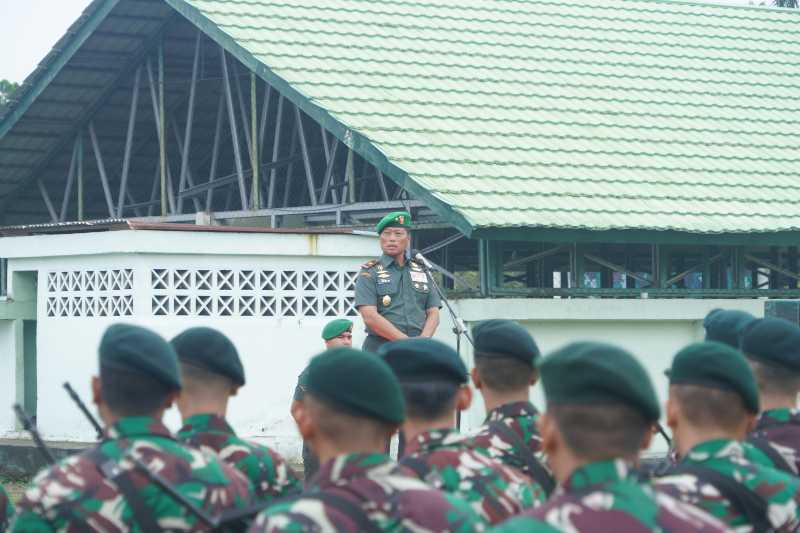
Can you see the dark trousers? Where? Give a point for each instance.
(372, 343)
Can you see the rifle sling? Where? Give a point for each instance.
(778, 460)
(535, 467)
(750, 504)
(142, 515)
(348, 508)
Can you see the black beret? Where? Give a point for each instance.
(211, 350)
(727, 326)
(504, 338)
(140, 350)
(356, 382)
(592, 373)
(718, 366)
(773, 341)
(422, 359)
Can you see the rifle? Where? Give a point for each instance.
(154, 477)
(82, 406)
(30, 427)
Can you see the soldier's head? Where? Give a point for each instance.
(352, 404)
(433, 379)
(772, 346)
(600, 406)
(505, 362)
(712, 394)
(211, 370)
(138, 374)
(338, 333)
(395, 233)
(727, 326)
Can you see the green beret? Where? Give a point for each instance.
(211, 350)
(140, 350)
(334, 328)
(727, 326)
(504, 338)
(592, 373)
(773, 341)
(356, 382)
(715, 365)
(397, 219)
(422, 359)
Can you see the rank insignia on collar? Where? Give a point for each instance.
(386, 300)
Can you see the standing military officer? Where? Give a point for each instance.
(434, 379)
(505, 359)
(395, 295)
(102, 489)
(600, 410)
(212, 373)
(772, 346)
(336, 333)
(353, 404)
(713, 401)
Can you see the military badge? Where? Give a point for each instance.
(387, 300)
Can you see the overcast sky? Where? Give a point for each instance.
(29, 29)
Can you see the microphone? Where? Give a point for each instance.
(419, 258)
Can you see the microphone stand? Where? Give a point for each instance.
(459, 328)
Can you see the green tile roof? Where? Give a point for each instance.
(612, 114)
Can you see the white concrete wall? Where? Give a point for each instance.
(10, 330)
(273, 349)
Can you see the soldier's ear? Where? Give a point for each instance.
(672, 409)
(97, 395)
(549, 433)
(476, 378)
(463, 398)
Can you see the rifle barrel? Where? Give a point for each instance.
(82, 406)
(30, 427)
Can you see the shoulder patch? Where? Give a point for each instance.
(369, 264)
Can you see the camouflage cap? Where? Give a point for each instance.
(211, 350)
(774, 341)
(718, 366)
(592, 373)
(504, 338)
(421, 359)
(397, 219)
(140, 350)
(356, 382)
(334, 328)
(727, 326)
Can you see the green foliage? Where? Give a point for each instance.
(7, 90)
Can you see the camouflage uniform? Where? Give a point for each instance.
(75, 496)
(604, 497)
(781, 428)
(267, 471)
(728, 457)
(393, 501)
(522, 419)
(6, 509)
(495, 491)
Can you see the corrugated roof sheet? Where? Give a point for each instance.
(613, 114)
